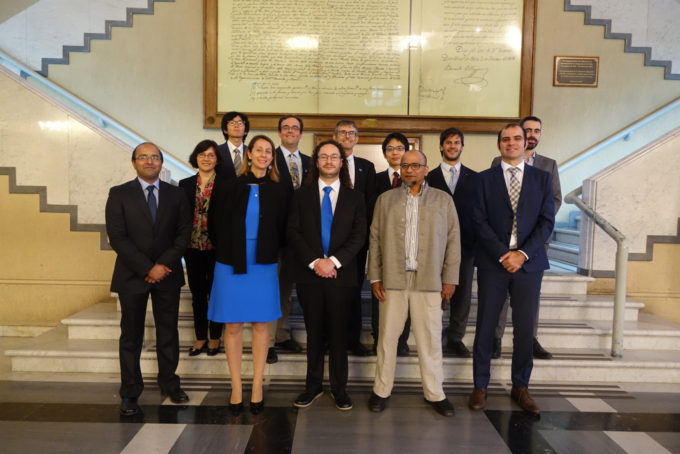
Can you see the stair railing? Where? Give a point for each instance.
(621, 269)
(172, 167)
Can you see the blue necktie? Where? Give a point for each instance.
(326, 219)
(151, 200)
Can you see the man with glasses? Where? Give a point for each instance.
(148, 223)
(293, 168)
(413, 267)
(452, 177)
(235, 127)
(362, 176)
(325, 267)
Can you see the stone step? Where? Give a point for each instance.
(563, 252)
(53, 352)
(567, 236)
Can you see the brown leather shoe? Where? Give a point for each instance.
(520, 394)
(477, 399)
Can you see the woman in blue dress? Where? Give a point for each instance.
(247, 227)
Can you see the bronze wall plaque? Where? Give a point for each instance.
(576, 71)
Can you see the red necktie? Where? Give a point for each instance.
(395, 180)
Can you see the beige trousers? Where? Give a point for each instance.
(426, 323)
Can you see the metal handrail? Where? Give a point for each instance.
(623, 133)
(621, 270)
(101, 119)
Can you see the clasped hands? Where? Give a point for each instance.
(325, 268)
(512, 261)
(157, 273)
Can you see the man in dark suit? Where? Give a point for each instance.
(293, 168)
(514, 216)
(149, 226)
(533, 127)
(362, 176)
(452, 177)
(393, 147)
(235, 127)
(326, 229)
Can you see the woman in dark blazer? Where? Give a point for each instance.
(200, 255)
(247, 227)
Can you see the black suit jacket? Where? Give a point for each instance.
(227, 221)
(348, 233)
(226, 167)
(189, 186)
(364, 181)
(383, 183)
(140, 243)
(492, 214)
(282, 165)
(463, 198)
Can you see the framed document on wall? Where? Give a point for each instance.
(408, 65)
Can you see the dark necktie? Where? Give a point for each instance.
(151, 200)
(326, 219)
(294, 171)
(395, 179)
(237, 158)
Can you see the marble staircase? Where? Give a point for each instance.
(575, 326)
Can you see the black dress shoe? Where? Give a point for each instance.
(540, 352)
(214, 351)
(376, 403)
(129, 406)
(291, 345)
(236, 409)
(272, 356)
(403, 349)
(306, 399)
(458, 349)
(257, 407)
(496, 349)
(342, 401)
(358, 349)
(443, 407)
(177, 396)
(197, 351)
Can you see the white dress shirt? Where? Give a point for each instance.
(350, 167)
(333, 195)
(520, 176)
(156, 184)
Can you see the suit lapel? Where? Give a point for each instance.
(500, 180)
(139, 199)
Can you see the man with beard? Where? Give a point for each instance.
(532, 127)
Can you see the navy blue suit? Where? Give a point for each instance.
(492, 215)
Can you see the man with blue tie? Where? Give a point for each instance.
(514, 215)
(326, 230)
(148, 223)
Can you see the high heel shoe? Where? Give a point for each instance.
(257, 407)
(197, 351)
(214, 351)
(236, 409)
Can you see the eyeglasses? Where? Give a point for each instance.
(414, 166)
(290, 128)
(333, 158)
(348, 133)
(399, 148)
(236, 123)
(144, 157)
(210, 156)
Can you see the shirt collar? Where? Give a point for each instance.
(391, 172)
(446, 167)
(232, 147)
(423, 189)
(144, 184)
(506, 166)
(335, 185)
(287, 152)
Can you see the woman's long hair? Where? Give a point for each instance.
(272, 171)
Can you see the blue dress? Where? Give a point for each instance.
(249, 297)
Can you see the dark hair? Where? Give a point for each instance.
(286, 117)
(530, 118)
(448, 133)
(345, 123)
(272, 172)
(395, 135)
(313, 174)
(508, 126)
(203, 145)
(230, 116)
(134, 151)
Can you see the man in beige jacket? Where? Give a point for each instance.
(413, 264)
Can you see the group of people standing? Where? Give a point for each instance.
(255, 220)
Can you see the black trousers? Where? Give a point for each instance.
(460, 302)
(354, 318)
(165, 305)
(200, 271)
(324, 306)
(524, 289)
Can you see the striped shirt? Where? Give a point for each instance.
(411, 236)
